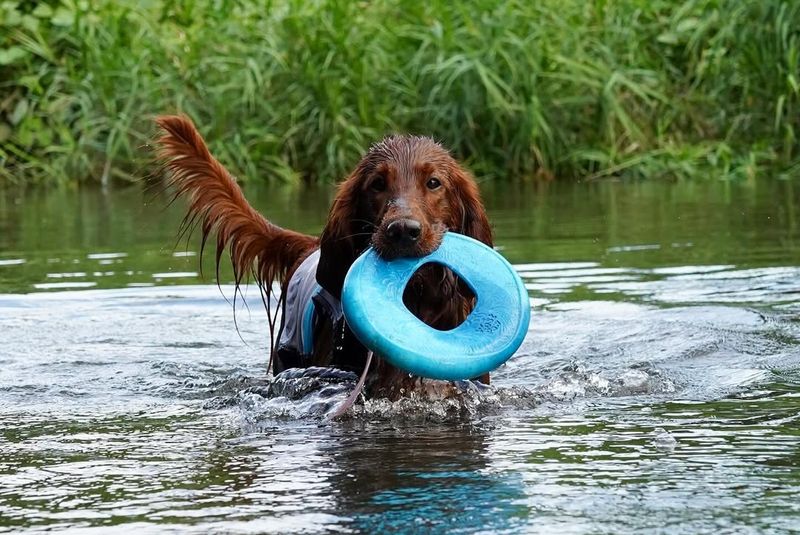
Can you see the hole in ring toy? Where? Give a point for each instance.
(372, 300)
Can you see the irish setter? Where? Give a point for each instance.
(401, 198)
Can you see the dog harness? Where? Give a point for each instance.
(307, 303)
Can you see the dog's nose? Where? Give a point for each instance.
(404, 231)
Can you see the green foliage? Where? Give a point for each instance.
(300, 88)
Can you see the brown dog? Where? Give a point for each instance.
(400, 199)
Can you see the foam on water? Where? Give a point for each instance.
(316, 392)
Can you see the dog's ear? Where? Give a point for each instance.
(340, 242)
(471, 217)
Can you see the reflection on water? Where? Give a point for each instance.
(128, 237)
(657, 390)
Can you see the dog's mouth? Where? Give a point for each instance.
(405, 237)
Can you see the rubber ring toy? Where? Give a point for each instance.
(372, 301)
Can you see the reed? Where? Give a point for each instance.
(297, 89)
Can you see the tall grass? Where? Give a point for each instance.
(298, 89)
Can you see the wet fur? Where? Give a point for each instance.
(358, 218)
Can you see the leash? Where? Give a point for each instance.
(351, 399)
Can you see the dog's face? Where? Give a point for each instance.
(402, 197)
(407, 196)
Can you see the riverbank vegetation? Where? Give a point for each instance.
(298, 89)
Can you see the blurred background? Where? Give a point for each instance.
(630, 133)
(294, 91)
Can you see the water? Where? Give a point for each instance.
(658, 389)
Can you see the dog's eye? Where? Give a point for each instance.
(378, 184)
(433, 183)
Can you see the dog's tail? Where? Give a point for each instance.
(257, 247)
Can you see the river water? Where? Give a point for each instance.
(658, 389)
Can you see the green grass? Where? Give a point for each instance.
(297, 90)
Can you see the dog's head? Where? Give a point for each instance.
(401, 199)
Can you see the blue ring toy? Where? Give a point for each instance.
(372, 300)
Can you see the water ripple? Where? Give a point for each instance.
(143, 408)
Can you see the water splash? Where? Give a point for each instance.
(316, 392)
(577, 380)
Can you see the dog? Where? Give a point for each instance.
(400, 199)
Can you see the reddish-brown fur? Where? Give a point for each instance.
(402, 178)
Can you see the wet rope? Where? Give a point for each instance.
(351, 399)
